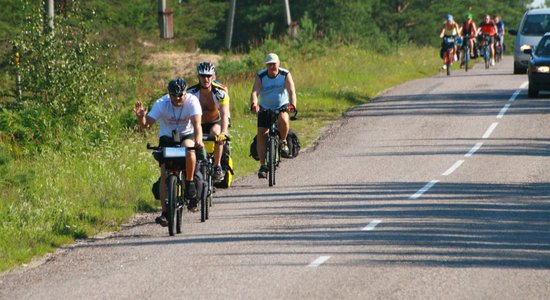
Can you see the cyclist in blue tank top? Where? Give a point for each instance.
(275, 88)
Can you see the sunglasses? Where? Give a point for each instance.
(177, 95)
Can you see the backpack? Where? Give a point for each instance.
(253, 150)
(292, 141)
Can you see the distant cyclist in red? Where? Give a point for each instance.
(468, 28)
(488, 27)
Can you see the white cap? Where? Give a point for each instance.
(271, 58)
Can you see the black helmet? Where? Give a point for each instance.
(206, 68)
(176, 87)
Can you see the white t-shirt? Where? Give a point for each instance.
(172, 117)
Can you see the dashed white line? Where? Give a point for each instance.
(474, 149)
(503, 111)
(514, 96)
(372, 225)
(319, 261)
(490, 130)
(453, 168)
(421, 191)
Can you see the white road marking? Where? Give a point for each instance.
(319, 261)
(474, 149)
(372, 225)
(490, 130)
(424, 189)
(524, 85)
(514, 96)
(453, 168)
(503, 111)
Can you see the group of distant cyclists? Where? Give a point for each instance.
(490, 30)
(204, 108)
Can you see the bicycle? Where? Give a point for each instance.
(174, 162)
(466, 51)
(273, 151)
(206, 167)
(498, 49)
(486, 52)
(449, 52)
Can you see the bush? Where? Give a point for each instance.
(63, 82)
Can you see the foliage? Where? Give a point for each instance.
(63, 82)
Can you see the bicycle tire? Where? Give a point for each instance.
(271, 161)
(466, 58)
(487, 57)
(179, 219)
(204, 196)
(171, 206)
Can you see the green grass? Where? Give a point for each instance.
(52, 198)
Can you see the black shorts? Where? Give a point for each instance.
(167, 141)
(207, 127)
(264, 116)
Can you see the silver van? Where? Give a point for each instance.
(535, 23)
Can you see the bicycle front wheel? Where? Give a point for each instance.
(172, 204)
(271, 160)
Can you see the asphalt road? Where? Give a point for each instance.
(437, 189)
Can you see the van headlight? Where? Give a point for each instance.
(540, 69)
(524, 47)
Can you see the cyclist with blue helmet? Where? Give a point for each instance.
(449, 29)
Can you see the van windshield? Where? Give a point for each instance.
(536, 25)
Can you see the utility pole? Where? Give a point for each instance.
(287, 10)
(161, 19)
(292, 26)
(230, 20)
(49, 14)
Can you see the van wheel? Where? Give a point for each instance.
(532, 92)
(519, 70)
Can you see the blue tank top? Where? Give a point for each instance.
(273, 94)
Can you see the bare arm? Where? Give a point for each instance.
(255, 93)
(289, 85)
(144, 121)
(224, 112)
(196, 121)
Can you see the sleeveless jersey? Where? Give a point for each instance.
(273, 94)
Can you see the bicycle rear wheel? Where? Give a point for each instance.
(271, 160)
(204, 195)
(172, 204)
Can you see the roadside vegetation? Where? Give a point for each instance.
(71, 161)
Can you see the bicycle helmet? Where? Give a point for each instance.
(449, 17)
(176, 87)
(206, 68)
(469, 16)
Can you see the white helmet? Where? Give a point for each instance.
(206, 68)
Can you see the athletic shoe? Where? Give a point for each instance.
(284, 148)
(492, 62)
(262, 173)
(162, 220)
(219, 173)
(190, 190)
(444, 67)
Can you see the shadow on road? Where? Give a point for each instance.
(454, 225)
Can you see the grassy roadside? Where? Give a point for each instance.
(51, 199)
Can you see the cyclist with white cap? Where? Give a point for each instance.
(275, 89)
